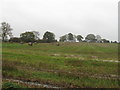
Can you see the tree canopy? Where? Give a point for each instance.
(90, 37)
(36, 33)
(79, 38)
(70, 36)
(6, 31)
(27, 37)
(49, 37)
(63, 38)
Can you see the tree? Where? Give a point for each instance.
(74, 38)
(79, 38)
(49, 37)
(98, 38)
(115, 42)
(6, 31)
(63, 38)
(27, 37)
(15, 39)
(90, 38)
(36, 34)
(70, 36)
(105, 41)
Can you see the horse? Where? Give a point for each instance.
(30, 43)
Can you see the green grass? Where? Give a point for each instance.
(10, 85)
(67, 65)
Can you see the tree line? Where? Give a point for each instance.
(48, 37)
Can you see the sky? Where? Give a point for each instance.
(80, 17)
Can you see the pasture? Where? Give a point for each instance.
(82, 65)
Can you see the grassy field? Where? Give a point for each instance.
(68, 65)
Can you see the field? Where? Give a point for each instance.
(73, 65)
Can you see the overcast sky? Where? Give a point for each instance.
(99, 17)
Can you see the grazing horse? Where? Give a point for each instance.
(30, 43)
